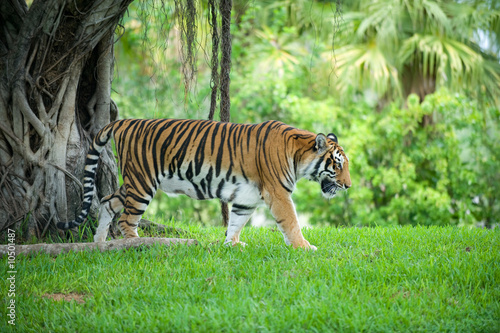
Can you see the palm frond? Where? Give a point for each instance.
(366, 67)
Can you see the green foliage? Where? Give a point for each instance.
(429, 163)
(398, 47)
(370, 279)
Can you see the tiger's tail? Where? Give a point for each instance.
(95, 149)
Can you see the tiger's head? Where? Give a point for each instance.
(330, 166)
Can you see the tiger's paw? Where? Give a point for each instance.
(233, 244)
(308, 247)
(242, 244)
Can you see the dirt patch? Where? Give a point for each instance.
(79, 298)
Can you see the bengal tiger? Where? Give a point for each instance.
(239, 163)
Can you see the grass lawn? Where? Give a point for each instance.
(360, 280)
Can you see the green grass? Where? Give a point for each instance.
(371, 280)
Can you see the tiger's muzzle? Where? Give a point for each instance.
(330, 188)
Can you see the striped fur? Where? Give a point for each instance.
(238, 163)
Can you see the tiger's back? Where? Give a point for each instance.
(202, 158)
(238, 163)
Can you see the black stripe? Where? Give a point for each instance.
(89, 174)
(219, 188)
(199, 157)
(166, 144)
(239, 213)
(138, 181)
(289, 190)
(316, 168)
(151, 144)
(199, 194)
(220, 152)
(158, 168)
(91, 161)
(249, 135)
(209, 177)
(214, 136)
(203, 186)
(241, 207)
(182, 152)
(138, 198)
(189, 171)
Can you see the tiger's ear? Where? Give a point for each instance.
(333, 137)
(321, 143)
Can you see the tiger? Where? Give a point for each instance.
(242, 164)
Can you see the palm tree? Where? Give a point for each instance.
(399, 47)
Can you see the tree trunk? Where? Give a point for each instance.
(56, 67)
(415, 81)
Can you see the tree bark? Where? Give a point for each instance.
(117, 244)
(220, 83)
(56, 65)
(155, 228)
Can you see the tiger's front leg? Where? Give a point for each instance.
(283, 210)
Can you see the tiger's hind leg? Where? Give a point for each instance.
(135, 206)
(237, 220)
(110, 206)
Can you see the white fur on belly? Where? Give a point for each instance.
(242, 191)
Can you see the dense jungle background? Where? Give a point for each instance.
(410, 88)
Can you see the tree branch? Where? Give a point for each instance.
(8, 132)
(118, 244)
(20, 101)
(67, 173)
